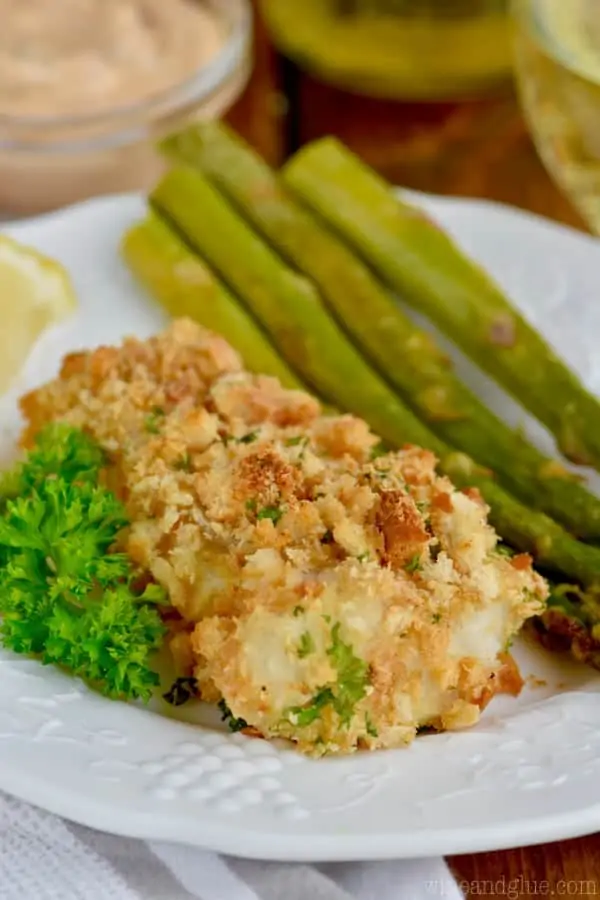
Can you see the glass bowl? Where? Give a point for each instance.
(47, 162)
(399, 49)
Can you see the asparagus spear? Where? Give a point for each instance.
(414, 256)
(570, 622)
(553, 549)
(404, 354)
(291, 310)
(286, 305)
(185, 286)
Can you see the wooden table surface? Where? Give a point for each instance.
(475, 149)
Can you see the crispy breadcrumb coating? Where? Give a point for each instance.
(331, 594)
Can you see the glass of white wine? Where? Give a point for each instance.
(558, 71)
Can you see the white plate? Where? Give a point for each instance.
(528, 773)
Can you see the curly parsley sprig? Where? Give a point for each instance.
(64, 596)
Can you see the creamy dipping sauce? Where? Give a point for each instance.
(84, 57)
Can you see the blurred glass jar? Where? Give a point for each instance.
(49, 161)
(403, 49)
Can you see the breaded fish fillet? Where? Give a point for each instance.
(332, 594)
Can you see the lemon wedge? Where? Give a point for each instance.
(35, 293)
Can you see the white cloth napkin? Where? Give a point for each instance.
(43, 857)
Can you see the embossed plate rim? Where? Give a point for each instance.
(527, 774)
